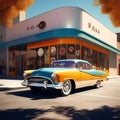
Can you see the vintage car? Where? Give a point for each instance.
(65, 75)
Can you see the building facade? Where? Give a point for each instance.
(62, 33)
(118, 56)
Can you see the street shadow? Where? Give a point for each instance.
(102, 113)
(45, 94)
(83, 89)
(40, 94)
(4, 89)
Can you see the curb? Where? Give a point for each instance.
(112, 77)
(11, 84)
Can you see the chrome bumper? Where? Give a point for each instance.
(44, 85)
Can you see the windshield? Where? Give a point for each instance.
(64, 64)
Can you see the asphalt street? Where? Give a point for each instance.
(18, 103)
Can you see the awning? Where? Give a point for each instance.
(57, 33)
(99, 42)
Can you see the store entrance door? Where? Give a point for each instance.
(118, 67)
(20, 64)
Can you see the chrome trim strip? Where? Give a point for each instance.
(42, 77)
(44, 85)
(85, 83)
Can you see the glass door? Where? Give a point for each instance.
(17, 60)
(12, 63)
(20, 64)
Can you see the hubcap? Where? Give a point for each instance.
(67, 87)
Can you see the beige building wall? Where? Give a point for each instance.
(21, 17)
(112, 64)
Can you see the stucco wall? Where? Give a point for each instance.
(63, 17)
(93, 27)
(3, 62)
(118, 56)
(112, 64)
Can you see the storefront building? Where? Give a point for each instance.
(62, 33)
(118, 56)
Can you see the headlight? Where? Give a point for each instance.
(24, 74)
(54, 77)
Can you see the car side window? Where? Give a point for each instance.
(88, 66)
(84, 66)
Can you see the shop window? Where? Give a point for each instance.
(102, 61)
(62, 51)
(77, 51)
(69, 51)
(31, 63)
(12, 61)
(53, 53)
(45, 55)
(99, 60)
(90, 55)
(87, 54)
(38, 58)
(3, 61)
(17, 60)
(119, 67)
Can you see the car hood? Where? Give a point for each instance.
(47, 71)
(94, 72)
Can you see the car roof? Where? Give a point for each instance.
(74, 60)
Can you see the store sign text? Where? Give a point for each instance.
(41, 25)
(32, 27)
(93, 28)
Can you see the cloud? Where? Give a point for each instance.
(9, 10)
(112, 8)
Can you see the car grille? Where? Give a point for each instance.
(38, 80)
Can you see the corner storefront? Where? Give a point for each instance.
(43, 39)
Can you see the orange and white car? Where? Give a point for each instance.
(65, 75)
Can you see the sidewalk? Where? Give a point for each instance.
(10, 83)
(16, 83)
(113, 77)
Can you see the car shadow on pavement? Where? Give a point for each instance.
(83, 89)
(4, 89)
(68, 112)
(41, 94)
(44, 94)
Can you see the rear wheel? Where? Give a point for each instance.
(98, 84)
(67, 88)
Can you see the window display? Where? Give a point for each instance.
(17, 60)
(99, 60)
(44, 56)
(53, 53)
(38, 57)
(11, 61)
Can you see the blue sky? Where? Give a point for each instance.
(42, 6)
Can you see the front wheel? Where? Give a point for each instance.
(67, 88)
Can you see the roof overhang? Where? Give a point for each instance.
(57, 33)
